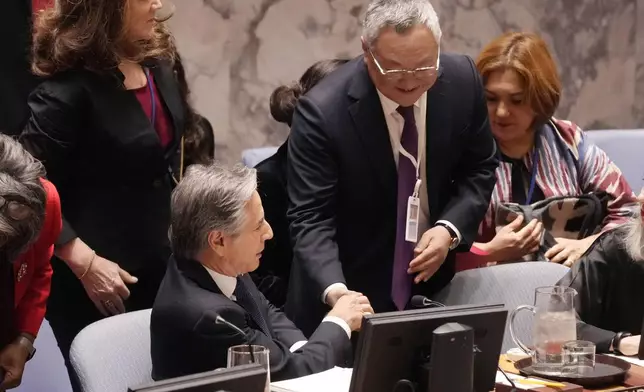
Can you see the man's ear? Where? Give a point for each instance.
(365, 48)
(216, 242)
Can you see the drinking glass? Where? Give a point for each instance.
(578, 357)
(241, 355)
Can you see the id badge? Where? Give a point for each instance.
(411, 226)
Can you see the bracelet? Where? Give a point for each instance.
(91, 261)
(617, 339)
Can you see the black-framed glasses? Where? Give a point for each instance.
(14, 209)
(422, 73)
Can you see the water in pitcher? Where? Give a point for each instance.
(551, 331)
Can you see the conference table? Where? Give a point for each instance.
(634, 378)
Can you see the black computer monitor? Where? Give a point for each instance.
(392, 346)
(246, 378)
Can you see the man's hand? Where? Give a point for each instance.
(351, 308)
(334, 295)
(12, 360)
(629, 345)
(430, 253)
(569, 251)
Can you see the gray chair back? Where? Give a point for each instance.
(252, 156)
(509, 284)
(624, 148)
(113, 354)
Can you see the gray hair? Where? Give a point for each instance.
(632, 236)
(20, 175)
(401, 15)
(209, 198)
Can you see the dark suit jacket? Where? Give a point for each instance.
(609, 284)
(186, 340)
(274, 269)
(107, 162)
(16, 79)
(342, 181)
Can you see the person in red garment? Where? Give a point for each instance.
(30, 222)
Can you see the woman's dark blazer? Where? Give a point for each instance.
(275, 265)
(112, 173)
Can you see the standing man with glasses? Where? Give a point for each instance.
(391, 168)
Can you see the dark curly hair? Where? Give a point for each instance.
(284, 99)
(91, 34)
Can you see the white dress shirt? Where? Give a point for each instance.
(227, 285)
(395, 124)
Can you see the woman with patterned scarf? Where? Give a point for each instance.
(541, 157)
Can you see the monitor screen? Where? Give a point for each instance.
(391, 345)
(247, 378)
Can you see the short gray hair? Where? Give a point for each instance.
(209, 198)
(20, 175)
(401, 15)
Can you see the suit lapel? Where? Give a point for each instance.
(170, 96)
(371, 126)
(437, 131)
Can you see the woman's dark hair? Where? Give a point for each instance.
(22, 198)
(284, 98)
(198, 133)
(91, 34)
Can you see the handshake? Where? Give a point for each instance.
(349, 306)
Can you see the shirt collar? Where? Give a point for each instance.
(226, 284)
(391, 107)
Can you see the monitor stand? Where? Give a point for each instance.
(449, 366)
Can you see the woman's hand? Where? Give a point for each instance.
(12, 361)
(567, 252)
(512, 242)
(105, 283)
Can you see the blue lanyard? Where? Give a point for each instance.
(533, 177)
(153, 102)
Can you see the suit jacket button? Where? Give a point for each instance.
(157, 183)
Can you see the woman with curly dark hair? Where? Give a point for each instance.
(113, 128)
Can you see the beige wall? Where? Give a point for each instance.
(238, 51)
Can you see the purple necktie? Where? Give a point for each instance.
(404, 251)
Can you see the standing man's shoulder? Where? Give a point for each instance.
(458, 66)
(334, 89)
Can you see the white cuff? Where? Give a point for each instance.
(451, 226)
(337, 320)
(297, 345)
(332, 287)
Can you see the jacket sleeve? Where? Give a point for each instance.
(475, 177)
(326, 348)
(312, 177)
(590, 277)
(52, 131)
(31, 309)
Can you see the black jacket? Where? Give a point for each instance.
(16, 79)
(342, 182)
(272, 276)
(186, 340)
(609, 286)
(107, 162)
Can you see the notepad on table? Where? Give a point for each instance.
(336, 380)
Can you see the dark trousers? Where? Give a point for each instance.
(69, 309)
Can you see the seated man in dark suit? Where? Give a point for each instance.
(217, 236)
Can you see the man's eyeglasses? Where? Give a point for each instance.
(422, 73)
(15, 210)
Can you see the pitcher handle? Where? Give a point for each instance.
(513, 334)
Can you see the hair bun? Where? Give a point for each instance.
(283, 101)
